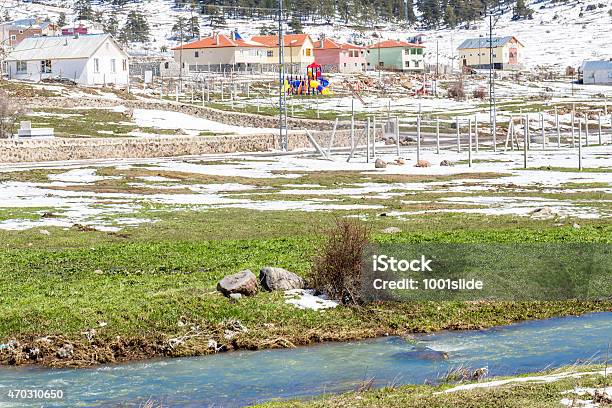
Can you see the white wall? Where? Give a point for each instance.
(74, 69)
(105, 74)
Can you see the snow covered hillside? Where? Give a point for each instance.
(559, 34)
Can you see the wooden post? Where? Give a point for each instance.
(177, 93)
(352, 130)
(543, 132)
(526, 141)
(558, 127)
(470, 142)
(374, 138)
(397, 135)
(476, 132)
(458, 136)
(437, 135)
(579, 145)
(572, 124)
(367, 139)
(527, 130)
(586, 129)
(418, 137)
(599, 128)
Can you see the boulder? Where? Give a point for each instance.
(422, 163)
(400, 161)
(446, 163)
(243, 282)
(279, 279)
(380, 164)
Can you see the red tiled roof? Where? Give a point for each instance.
(288, 39)
(395, 43)
(333, 45)
(218, 41)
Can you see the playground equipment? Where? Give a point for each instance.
(314, 83)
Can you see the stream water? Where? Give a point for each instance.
(245, 377)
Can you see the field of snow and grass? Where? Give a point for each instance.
(113, 194)
(560, 34)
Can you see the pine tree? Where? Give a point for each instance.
(111, 26)
(61, 20)
(136, 28)
(410, 12)
(295, 25)
(83, 10)
(194, 27)
(521, 11)
(6, 16)
(450, 19)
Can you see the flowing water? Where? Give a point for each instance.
(246, 377)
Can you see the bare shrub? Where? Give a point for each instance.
(337, 266)
(456, 90)
(480, 93)
(9, 111)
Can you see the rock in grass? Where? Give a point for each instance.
(243, 282)
(380, 164)
(65, 351)
(423, 163)
(391, 230)
(446, 163)
(235, 296)
(279, 279)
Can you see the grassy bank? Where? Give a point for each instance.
(514, 394)
(142, 287)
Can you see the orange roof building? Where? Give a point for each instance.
(220, 50)
(299, 50)
(395, 55)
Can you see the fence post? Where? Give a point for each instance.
(476, 131)
(352, 130)
(527, 131)
(579, 145)
(586, 129)
(437, 135)
(418, 137)
(176, 90)
(367, 139)
(458, 136)
(543, 132)
(558, 128)
(599, 128)
(470, 142)
(397, 135)
(573, 122)
(374, 139)
(526, 141)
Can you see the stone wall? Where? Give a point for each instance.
(227, 117)
(56, 149)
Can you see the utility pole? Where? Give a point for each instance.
(437, 67)
(282, 98)
(492, 109)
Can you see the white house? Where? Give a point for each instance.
(86, 59)
(597, 72)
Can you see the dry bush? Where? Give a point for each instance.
(337, 266)
(480, 93)
(9, 111)
(456, 90)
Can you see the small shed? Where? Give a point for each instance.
(597, 72)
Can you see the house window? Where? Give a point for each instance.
(113, 66)
(197, 54)
(270, 53)
(345, 65)
(45, 66)
(407, 64)
(96, 65)
(610, 75)
(13, 37)
(22, 67)
(166, 65)
(125, 66)
(407, 51)
(416, 64)
(308, 52)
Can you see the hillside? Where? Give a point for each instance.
(560, 34)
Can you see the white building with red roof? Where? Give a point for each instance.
(220, 51)
(394, 55)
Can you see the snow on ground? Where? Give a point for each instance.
(526, 379)
(508, 190)
(306, 299)
(191, 124)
